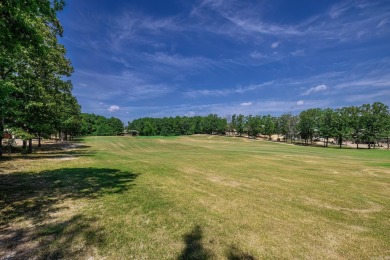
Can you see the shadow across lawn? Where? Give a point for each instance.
(194, 248)
(63, 151)
(73, 238)
(35, 198)
(34, 195)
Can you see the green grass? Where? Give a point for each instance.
(195, 197)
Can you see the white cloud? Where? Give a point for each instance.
(83, 84)
(245, 104)
(316, 89)
(300, 103)
(275, 45)
(113, 108)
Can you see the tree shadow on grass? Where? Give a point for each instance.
(34, 198)
(73, 238)
(50, 151)
(194, 248)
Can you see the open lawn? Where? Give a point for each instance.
(195, 197)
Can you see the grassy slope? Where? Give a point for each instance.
(203, 196)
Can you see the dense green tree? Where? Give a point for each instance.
(116, 125)
(212, 124)
(240, 124)
(327, 124)
(92, 124)
(32, 66)
(268, 126)
(282, 125)
(386, 130)
(341, 125)
(374, 120)
(253, 125)
(353, 119)
(308, 123)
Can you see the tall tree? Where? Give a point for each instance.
(253, 125)
(25, 29)
(293, 122)
(342, 128)
(282, 125)
(308, 123)
(374, 119)
(327, 124)
(268, 125)
(386, 130)
(240, 124)
(353, 117)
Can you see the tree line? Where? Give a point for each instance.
(35, 94)
(167, 126)
(100, 126)
(368, 123)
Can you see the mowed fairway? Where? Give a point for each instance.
(196, 197)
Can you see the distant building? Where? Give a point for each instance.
(130, 133)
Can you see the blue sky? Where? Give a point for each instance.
(165, 58)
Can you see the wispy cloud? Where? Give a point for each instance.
(338, 24)
(338, 9)
(258, 55)
(368, 82)
(124, 86)
(368, 97)
(226, 91)
(316, 89)
(180, 62)
(130, 24)
(382, 22)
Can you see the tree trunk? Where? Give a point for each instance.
(340, 142)
(39, 139)
(24, 145)
(1, 144)
(388, 144)
(30, 145)
(1, 135)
